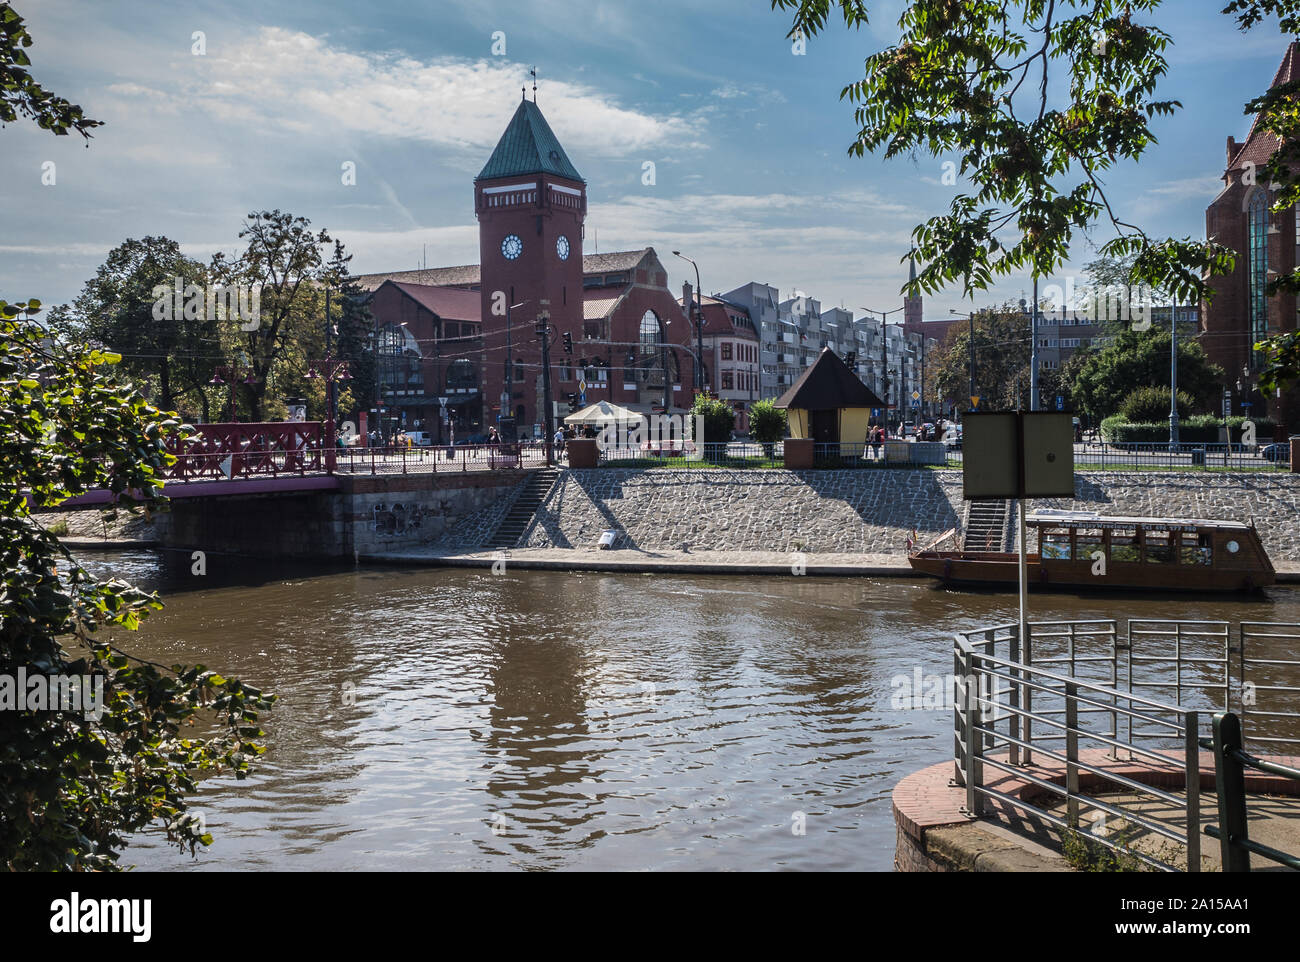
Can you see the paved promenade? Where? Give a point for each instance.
(697, 562)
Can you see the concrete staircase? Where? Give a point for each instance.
(986, 525)
(520, 515)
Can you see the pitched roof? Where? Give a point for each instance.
(528, 147)
(449, 302)
(828, 385)
(463, 276)
(468, 275)
(613, 261)
(1260, 144)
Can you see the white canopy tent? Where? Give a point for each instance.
(604, 412)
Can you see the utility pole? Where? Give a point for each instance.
(544, 332)
(1173, 375)
(1033, 350)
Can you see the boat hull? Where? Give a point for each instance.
(976, 568)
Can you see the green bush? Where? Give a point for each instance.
(1200, 429)
(1147, 405)
(719, 418)
(767, 423)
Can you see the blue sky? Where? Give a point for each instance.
(748, 139)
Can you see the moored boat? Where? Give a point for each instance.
(1081, 550)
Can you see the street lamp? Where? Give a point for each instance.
(699, 320)
(970, 347)
(884, 352)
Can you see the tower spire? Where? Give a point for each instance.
(534, 73)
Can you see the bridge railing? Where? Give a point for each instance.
(242, 450)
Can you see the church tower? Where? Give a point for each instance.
(530, 202)
(913, 307)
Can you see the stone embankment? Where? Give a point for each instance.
(866, 512)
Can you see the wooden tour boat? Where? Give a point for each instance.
(1079, 550)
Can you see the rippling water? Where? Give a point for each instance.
(451, 719)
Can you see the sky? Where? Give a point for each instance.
(748, 139)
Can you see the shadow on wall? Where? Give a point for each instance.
(921, 488)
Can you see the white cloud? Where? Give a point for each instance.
(288, 80)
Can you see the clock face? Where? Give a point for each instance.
(512, 247)
(562, 247)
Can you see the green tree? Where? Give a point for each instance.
(719, 418)
(1002, 354)
(976, 81)
(286, 259)
(767, 424)
(21, 95)
(118, 308)
(1136, 359)
(75, 784)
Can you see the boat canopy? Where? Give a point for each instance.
(1077, 519)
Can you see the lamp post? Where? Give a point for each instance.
(332, 370)
(233, 374)
(699, 322)
(1173, 376)
(884, 353)
(544, 333)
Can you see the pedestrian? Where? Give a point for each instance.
(559, 443)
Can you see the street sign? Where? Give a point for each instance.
(974, 401)
(1227, 404)
(916, 402)
(582, 398)
(442, 401)
(916, 395)
(582, 386)
(1060, 403)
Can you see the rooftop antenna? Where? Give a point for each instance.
(534, 73)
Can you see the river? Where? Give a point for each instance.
(460, 719)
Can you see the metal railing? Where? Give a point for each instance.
(1099, 455)
(1262, 649)
(980, 710)
(401, 459)
(1026, 709)
(687, 453)
(1233, 831)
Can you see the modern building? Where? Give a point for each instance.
(763, 302)
(1242, 313)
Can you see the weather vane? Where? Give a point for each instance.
(534, 73)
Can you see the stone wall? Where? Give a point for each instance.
(370, 514)
(860, 512)
(868, 511)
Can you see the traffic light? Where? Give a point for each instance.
(573, 402)
(568, 343)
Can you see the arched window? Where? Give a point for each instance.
(1257, 232)
(650, 331)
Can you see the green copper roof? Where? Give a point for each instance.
(528, 147)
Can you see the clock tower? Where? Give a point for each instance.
(530, 202)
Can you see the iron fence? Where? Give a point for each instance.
(402, 459)
(1026, 709)
(1101, 456)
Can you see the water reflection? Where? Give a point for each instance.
(456, 719)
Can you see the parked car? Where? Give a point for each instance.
(421, 439)
(1280, 451)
